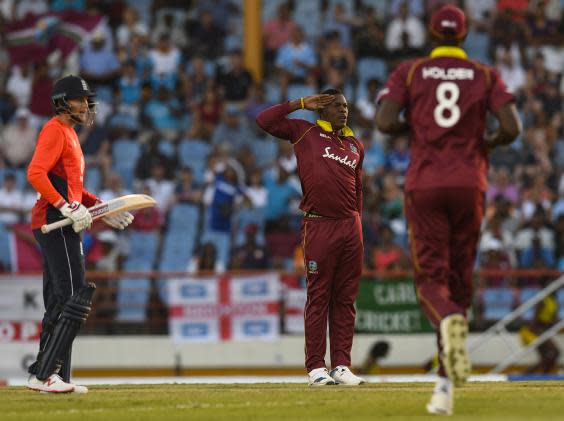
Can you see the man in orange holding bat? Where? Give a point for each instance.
(56, 171)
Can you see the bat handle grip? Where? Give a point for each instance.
(47, 228)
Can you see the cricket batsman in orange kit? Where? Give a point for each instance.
(330, 170)
(56, 171)
(446, 97)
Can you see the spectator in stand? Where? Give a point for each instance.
(405, 31)
(541, 30)
(388, 255)
(256, 190)
(233, 129)
(374, 157)
(502, 185)
(342, 24)
(235, 82)
(207, 115)
(507, 33)
(535, 242)
(167, 25)
(257, 103)
(512, 73)
(150, 157)
(337, 61)
(40, 104)
(10, 201)
(494, 256)
(277, 31)
(495, 231)
(19, 84)
(197, 81)
(206, 259)
(369, 40)
(164, 112)
(185, 191)
(129, 87)
(280, 192)
(296, 61)
(7, 105)
(17, 140)
(161, 189)
(415, 7)
(135, 50)
(207, 39)
(546, 315)
(113, 188)
(391, 207)
(148, 219)
(221, 198)
(559, 249)
(398, 157)
(131, 25)
(366, 104)
(99, 64)
(165, 59)
(537, 194)
(250, 255)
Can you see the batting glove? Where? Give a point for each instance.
(119, 221)
(81, 218)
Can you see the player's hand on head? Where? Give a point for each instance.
(78, 213)
(317, 102)
(119, 221)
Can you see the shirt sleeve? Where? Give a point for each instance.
(273, 120)
(89, 199)
(396, 88)
(499, 94)
(48, 151)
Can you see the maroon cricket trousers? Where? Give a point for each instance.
(444, 230)
(333, 256)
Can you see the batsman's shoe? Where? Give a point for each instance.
(320, 377)
(342, 375)
(53, 384)
(454, 330)
(81, 390)
(442, 400)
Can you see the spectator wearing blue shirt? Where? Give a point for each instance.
(221, 199)
(164, 112)
(374, 157)
(233, 129)
(99, 64)
(280, 192)
(129, 84)
(295, 60)
(398, 158)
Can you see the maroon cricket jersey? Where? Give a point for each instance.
(446, 97)
(329, 162)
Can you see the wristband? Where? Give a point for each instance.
(302, 102)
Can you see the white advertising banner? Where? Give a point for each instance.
(21, 312)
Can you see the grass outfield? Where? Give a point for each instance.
(392, 401)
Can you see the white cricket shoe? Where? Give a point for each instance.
(81, 390)
(454, 330)
(53, 384)
(442, 400)
(342, 375)
(320, 377)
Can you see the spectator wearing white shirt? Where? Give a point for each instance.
(10, 201)
(19, 84)
(512, 73)
(165, 58)
(17, 141)
(162, 190)
(405, 29)
(131, 26)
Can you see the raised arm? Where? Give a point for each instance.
(273, 120)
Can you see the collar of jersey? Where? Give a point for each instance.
(326, 126)
(445, 51)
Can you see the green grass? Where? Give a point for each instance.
(393, 401)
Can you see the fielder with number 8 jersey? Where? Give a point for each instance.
(445, 98)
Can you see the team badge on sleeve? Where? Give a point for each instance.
(353, 148)
(312, 266)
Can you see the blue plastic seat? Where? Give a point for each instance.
(370, 68)
(524, 295)
(132, 299)
(125, 153)
(497, 303)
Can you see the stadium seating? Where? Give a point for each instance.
(125, 153)
(370, 68)
(497, 302)
(524, 295)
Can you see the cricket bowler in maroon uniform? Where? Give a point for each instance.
(329, 166)
(446, 97)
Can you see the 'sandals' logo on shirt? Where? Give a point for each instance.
(341, 159)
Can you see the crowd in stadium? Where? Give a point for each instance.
(176, 120)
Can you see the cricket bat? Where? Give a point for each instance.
(109, 208)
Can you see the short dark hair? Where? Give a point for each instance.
(332, 91)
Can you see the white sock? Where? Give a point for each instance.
(444, 383)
